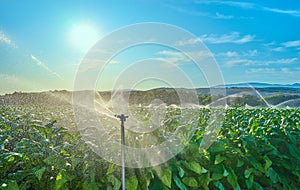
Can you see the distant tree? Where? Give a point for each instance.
(204, 99)
(279, 98)
(251, 100)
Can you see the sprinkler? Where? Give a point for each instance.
(122, 118)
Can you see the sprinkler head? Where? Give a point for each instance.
(122, 117)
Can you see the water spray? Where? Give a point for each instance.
(122, 118)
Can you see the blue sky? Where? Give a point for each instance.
(43, 42)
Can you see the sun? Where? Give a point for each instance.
(83, 36)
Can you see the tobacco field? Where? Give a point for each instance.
(256, 148)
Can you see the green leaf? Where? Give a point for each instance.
(10, 185)
(61, 179)
(156, 184)
(131, 183)
(111, 169)
(90, 186)
(257, 186)
(181, 171)
(179, 183)
(293, 151)
(39, 173)
(249, 181)
(193, 166)
(165, 176)
(115, 182)
(11, 159)
(232, 179)
(204, 180)
(248, 172)
(240, 163)
(203, 170)
(11, 156)
(225, 173)
(75, 162)
(190, 181)
(217, 148)
(256, 165)
(273, 175)
(219, 185)
(55, 160)
(268, 163)
(218, 172)
(219, 159)
(143, 182)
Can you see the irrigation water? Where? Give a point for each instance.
(157, 132)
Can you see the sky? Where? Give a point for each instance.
(42, 43)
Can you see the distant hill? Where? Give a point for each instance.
(235, 96)
(259, 85)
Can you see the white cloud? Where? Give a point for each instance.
(217, 15)
(172, 57)
(295, 43)
(283, 46)
(170, 53)
(249, 53)
(295, 13)
(6, 40)
(261, 70)
(229, 54)
(278, 49)
(286, 61)
(233, 37)
(286, 70)
(247, 62)
(191, 41)
(44, 66)
(247, 5)
(236, 62)
(278, 72)
(269, 44)
(182, 57)
(222, 16)
(186, 11)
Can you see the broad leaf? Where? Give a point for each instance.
(165, 176)
(232, 179)
(219, 185)
(131, 183)
(115, 182)
(190, 181)
(193, 166)
(179, 183)
(39, 173)
(219, 159)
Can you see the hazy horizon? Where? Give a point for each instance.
(161, 87)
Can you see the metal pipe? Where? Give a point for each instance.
(122, 118)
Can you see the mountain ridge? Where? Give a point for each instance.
(258, 85)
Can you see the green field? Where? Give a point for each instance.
(259, 148)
